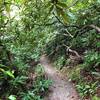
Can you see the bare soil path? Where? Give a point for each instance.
(61, 88)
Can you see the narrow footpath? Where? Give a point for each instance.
(61, 88)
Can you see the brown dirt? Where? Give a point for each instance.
(61, 88)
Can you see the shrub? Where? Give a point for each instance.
(86, 89)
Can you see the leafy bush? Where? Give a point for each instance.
(75, 74)
(39, 69)
(19, 86)
(42, 85)
(30, 96)
(60, 62)
(92, 59)
(87, 89)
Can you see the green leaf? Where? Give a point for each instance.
(64, 17)
(12, 97)
(2, 70)
(96, 74)
(98, 44)
(9, 73)
(3, 66)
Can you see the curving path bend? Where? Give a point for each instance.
(61, 88)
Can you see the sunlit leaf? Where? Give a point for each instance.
(9, 73)
(2, 70)
(12, 97)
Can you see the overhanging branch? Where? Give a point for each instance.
(95, 27)
(66, 26)
(87, 28)
(71, 51)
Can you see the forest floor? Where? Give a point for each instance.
(62, 88)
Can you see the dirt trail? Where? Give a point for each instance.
(61, 88)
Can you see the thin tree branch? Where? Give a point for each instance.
(47, 24)
(72, 51)
(87, 28)
(66, 26)
(95, 27)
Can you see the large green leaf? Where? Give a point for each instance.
(12, 97)
(2, 70)
(64, 17)
(9, 73)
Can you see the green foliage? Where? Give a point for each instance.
(87, 89)
(19, 80)
(42, 85)
(75, 74)
(12, 97)
(95, 98)
(60, 62)
(39, 70)
(30, 96)
(45, 26)
(5, 72)
(75, 35)
(92, 59)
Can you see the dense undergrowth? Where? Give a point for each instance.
(66, 30)
(21, 44)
